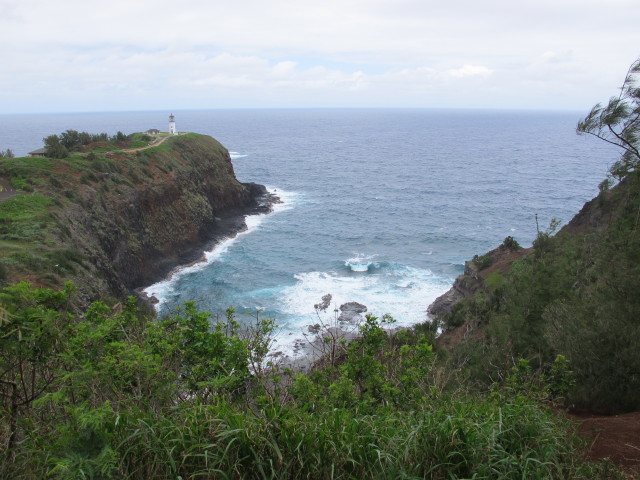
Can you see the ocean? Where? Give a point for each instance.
(380, 206)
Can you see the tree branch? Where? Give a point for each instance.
(629, 146)
(601, 137)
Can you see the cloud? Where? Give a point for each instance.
(338, 52)
(470, 71)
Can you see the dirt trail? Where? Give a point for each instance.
(6, 190)
(157, 141)
(616, 437)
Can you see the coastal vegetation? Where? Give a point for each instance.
(93, 386)
(69, 141)
(576, 293)
(112, 393)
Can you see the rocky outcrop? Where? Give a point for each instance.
(350, 312)
(475, 271)
(463, 287)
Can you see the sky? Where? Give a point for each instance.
(132, 55)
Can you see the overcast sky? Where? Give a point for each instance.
(79, 55)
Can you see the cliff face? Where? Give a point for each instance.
(133, 216)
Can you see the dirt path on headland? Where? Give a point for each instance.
(6, 190)
(157, 141)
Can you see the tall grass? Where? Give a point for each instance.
(455, 438)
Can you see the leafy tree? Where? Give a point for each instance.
(214, 360)
(70, 139)
(7, 153)
(510, 244)
(120, 138)
(33, 327)
(84, 138)
(99, 137)
(618, 122)
(53, 147)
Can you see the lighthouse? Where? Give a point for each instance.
(172, 125)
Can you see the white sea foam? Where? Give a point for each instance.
(401, 291)
(164, 289)
(360, 263)
(235, 155)
(288, 199)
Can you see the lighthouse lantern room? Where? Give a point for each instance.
(172, 125)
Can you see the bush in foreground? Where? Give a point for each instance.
(112, 393)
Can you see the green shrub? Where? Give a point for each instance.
(65, 259)
(482, 261)
(88, 177)
(510, 243)
(494, 282)
(19, 183)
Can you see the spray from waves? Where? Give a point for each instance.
(402, 291)
(288, 200)
(164, 289)
(360, 263)
(235, 155)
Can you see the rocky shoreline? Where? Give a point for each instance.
(324, 340)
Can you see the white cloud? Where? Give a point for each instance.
(550, 53)
(283, 70)
(470, 71)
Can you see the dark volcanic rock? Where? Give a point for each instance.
(463, 287)
(351, 312)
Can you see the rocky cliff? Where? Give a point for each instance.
(124, 219)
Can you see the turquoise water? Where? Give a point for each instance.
(381, 207)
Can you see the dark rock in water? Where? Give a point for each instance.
(353, 306)
(351, 312)
(263, 200)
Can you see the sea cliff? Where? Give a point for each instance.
(117, 220)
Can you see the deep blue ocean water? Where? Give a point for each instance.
(381, 207)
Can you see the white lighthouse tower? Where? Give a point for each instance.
(172, 125)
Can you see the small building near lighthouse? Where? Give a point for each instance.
(172, 125)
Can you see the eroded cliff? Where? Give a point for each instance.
(118, 220)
